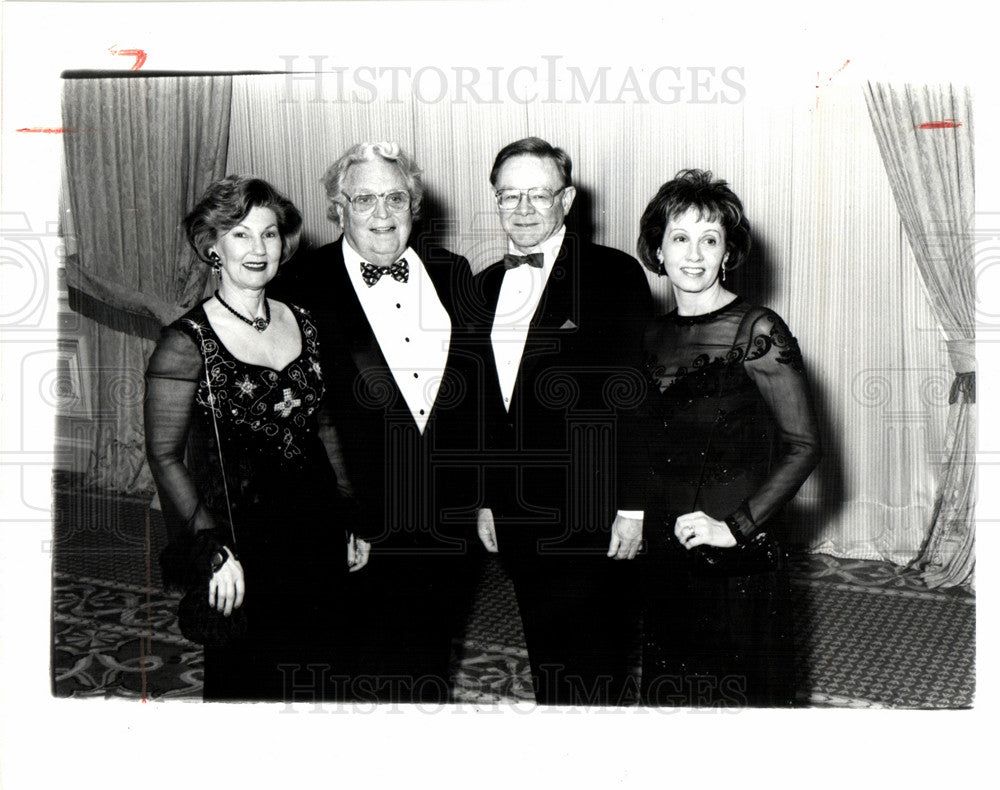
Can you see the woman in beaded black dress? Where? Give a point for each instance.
(726, 435)
(256, 362)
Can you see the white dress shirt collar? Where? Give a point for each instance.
(549, 249)
(353, 260)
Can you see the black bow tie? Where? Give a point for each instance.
(371, 274)
(512, 261)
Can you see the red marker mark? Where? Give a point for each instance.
(138, 54)
(146, 644)
(46, 130)
(947, 123)
(830, 78)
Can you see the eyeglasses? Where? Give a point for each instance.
(539, 197)
(398, 200)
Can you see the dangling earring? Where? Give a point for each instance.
(216, 262)
(723, 271)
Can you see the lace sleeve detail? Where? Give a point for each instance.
(172, 377)
(768, 335)
(774, 363)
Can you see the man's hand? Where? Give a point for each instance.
(626, 537)
(487, 530)
(358, 551)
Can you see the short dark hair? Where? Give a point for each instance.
(715, 201)
(335, 175)
(534, 146)
(225, 204)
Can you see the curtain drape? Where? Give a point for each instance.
(142, 151)
(925, 137)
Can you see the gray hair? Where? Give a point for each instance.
(333, 178)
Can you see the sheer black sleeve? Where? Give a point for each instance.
(774, 363)
(172, 378)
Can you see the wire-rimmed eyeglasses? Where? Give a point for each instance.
(539, 197)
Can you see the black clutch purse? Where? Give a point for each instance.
(186, 565)
(759, 554)
(202, 623)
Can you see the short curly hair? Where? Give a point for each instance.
(225, 204)
(714, 200)
(335, 175)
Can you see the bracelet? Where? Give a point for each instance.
(221, 557)
(218, 560)
(734, 527)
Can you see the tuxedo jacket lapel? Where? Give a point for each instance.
(555, 316)
(552, 321)
(354, 327)
(557, 303)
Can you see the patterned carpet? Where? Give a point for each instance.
(868, 634)
(871, 635)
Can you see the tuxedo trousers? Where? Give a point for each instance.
(407, 607)
(580, 615)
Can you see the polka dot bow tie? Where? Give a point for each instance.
(371, 274)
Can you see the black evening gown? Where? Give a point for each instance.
(728, 428)
(282, 490)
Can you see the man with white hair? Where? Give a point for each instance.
(389, 316)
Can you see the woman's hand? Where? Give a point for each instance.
(697, 529)
(358, 551)
(226, 588)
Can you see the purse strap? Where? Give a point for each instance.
(218, 438)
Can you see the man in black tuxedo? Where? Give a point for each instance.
(390, 318)
(562, 346)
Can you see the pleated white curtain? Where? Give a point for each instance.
(926, 139)
(830, 254)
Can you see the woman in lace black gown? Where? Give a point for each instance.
(727, 434)
(254, 361)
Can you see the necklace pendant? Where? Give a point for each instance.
(260, 324)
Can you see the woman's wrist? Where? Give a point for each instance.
(219, 559)
(209, 552)
(734, 527)
(741, 523)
